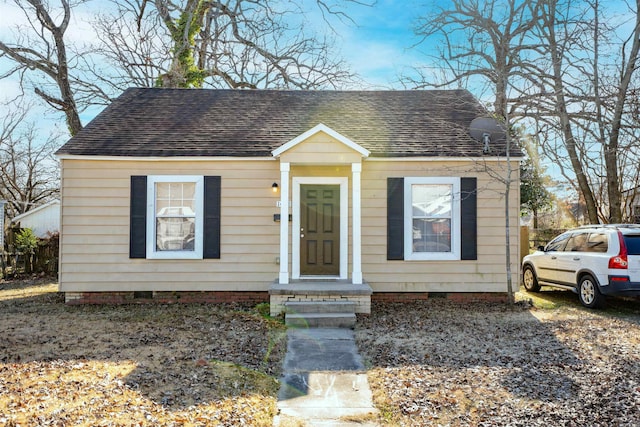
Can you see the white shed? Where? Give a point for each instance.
(43, 220)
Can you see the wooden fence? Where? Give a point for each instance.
(532, 238)
(43, 260)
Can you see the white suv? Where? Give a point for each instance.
(593, 261)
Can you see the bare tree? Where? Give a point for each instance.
(190, 43)
(486, 41)
(610, 125)
(571, 75)
(586, 87)
(28, 169)
(41, 49)
(480, 42)
(235, 44)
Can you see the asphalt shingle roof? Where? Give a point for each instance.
(154, 122)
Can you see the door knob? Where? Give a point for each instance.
(301, 236)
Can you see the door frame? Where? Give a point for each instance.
(343, 182)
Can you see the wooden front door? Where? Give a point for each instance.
(319, 230)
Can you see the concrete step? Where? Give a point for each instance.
(320, 320)
(295, 307)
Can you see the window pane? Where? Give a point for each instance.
(558, 243)
(632, 242)
(175, 216)
(577, 243)
(162, 190)
(598, 243)
(177, 211)
(430, 235)
(432, 201)
(175, 234)
(178, 195)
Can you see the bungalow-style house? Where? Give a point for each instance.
(239, 195)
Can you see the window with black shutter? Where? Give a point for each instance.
(431, 218)
(175, 217)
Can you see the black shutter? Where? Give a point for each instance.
(138, 218)
(468, 218)
(211, 247)
(395, 218)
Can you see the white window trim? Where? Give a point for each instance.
(151, 217)
(409, 254)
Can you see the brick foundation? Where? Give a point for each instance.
(398, 296)
(216, 297)
(212, 297)
(461, 297)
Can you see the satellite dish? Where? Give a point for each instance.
(485, 130)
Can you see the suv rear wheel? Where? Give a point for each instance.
(530, 280)
(589, 293)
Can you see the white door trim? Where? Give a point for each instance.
(344, 221)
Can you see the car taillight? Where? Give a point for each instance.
(620, 261)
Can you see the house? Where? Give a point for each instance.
(631, 203)
(43, 220)
(238, 195)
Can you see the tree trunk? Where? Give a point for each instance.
(611, 149)
(66, 103)
(563, 116)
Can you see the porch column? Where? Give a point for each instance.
(284, 223)
(356, 275)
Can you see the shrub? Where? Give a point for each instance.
(26, 241)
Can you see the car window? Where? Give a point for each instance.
(598, 242)
(577, 242)
(633, 244)
(558, 243)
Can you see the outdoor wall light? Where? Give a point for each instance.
(274, 187)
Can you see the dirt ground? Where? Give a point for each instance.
(134, 365)
(435, 363)
(431, 363)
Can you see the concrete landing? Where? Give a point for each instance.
(324, 382)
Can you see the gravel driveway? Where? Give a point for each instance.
(443, 363)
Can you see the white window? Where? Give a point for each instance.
(175, 217)
(432, 218)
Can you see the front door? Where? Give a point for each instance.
(319, 230)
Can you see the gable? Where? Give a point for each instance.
(319, 145)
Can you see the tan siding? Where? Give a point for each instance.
(95, 228)
(87, 251)
(95, 235)
(80, 242)
(79, 220)
(321, 149)
(486, 274)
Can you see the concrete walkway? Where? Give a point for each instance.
(324, 382)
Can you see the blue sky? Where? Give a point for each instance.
(376, 43)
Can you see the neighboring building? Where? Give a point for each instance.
(169, 194)
(631, 200)
(43, 220)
